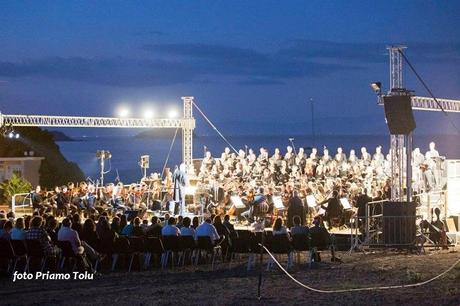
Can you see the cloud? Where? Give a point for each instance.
(170, 64)
(366, 52)
(248, 63)
(102, 71)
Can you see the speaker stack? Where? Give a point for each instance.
(399, 115)
(399, 226)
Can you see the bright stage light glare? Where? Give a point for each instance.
(148, 114)
(10, 135)
(17, 136)
(123, 112)
(172, 113)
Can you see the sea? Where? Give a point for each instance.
(126, 150)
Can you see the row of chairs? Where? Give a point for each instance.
(247, 242)
(15, 251)
(167, 248)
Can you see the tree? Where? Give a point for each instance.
(16, 184)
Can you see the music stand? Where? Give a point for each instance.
(236, 200)
(345, 203)
(278, 203)
(311, 201)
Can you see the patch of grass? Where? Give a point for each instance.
(413, 277)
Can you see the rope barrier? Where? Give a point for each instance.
(358, 289)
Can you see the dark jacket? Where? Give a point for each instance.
(295, 208)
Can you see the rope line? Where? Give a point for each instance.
(357, 289)
(169, 153)
(215, 128)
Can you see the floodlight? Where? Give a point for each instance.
(376, 86)
(123, 112)
(172, 113)
(148, 113)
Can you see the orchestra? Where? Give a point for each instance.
(245, 185)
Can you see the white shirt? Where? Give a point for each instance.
(207, 230)
(68, 234)
(170, 230)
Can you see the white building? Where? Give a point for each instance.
(27, 167)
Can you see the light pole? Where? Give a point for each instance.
(103, 155)
(312, 121)
(291, 140)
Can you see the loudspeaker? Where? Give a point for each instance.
(399, 115)
(399, 223)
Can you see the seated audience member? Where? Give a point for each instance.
(186, 230)
(18, 232)
(154, 230)
(170, 229)
(320, 237)
(89, 234)
(123, 221)
(222, 230)
(180, 221)
(279, 228)
(298, 228)
(206, 229)
(116, 225)
(36, 232)
(145, 226)
(195, 222)
(51, 228)
(76, 223)
(6, 230)
(230, 227)
(68, 234)
(137, 229)
(128, 229)
(106, 234)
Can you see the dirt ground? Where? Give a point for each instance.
(236, 286)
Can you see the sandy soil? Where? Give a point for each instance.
(236, 286)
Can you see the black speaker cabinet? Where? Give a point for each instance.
(399, 223)
(399, 115)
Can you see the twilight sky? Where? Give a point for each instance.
(251, 65)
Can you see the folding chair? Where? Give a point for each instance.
(280, 244)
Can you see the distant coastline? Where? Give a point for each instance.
(60, 136)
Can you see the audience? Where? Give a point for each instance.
(170, 229)
(206, 229)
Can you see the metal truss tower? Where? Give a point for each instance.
(187, 124)
(401, 145)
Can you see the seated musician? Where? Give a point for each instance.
(333, 209)
(257, 207)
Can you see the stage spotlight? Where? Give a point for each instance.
(376, 86)
(10, 135)
(123, 112)
(17, 136)
(148, 114)
(172, 113)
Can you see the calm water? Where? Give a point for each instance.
(126, 151)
